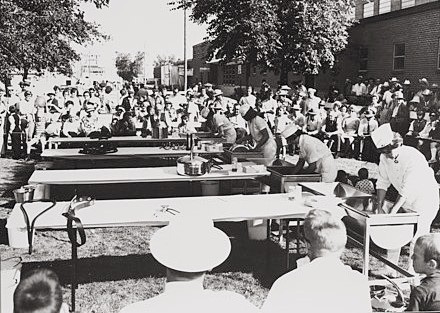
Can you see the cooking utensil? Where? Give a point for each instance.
(194, 165)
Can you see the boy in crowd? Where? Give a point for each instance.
(364, 184)
(426, 260)
(39, 291)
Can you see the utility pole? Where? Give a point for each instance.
(185, 61)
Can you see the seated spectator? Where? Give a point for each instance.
(126, 126)
(330, 130)
(89, 122)
(426, 260)
(198, 247)
(350, 126)
(39, 292)
(313, 123)
(297, 117)
(415, 128)
(342, 177)
(311, 287)
(429, 149)
(70, 126)
(185, 127)
(364, 184)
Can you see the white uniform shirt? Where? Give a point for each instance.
(313, 150)
(323, 285)
(191, 297)
(410, 174)
(359, 89)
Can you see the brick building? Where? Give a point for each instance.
(393, 38)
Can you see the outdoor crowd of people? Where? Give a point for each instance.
(343, 119)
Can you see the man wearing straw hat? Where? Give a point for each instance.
(408, 171)
(189, 247)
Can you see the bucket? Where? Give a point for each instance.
(210, 187)
(18, 237)
(25, 193)
(257, 229)
(10, 277)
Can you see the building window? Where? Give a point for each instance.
(438, 54)
(363, 59)
(368, 9)
(384, 6)
(399, 57)
(229, 74)
(408, 3)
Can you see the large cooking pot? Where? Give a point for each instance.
(194, 166)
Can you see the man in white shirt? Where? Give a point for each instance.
(197, 248)
(325, 284)
(359, 89)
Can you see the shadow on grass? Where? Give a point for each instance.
(264, 259)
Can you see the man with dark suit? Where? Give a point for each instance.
(400, 114)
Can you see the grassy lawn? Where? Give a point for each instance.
(116, 268)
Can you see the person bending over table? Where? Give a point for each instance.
(408, 171)
(313, 151)
(325, 284)
(197, 248)
(259, 132)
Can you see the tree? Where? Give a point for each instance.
(128, 68)
(281, 35)
(164, 60)
(37, 34)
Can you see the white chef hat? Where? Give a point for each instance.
(289, 130)
(383, 136)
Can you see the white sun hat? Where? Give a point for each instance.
(190, 243)
(217, 92)
(285, 87)
(289, 130)
(383, 136)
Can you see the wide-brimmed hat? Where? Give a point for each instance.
(394, 80)
(434, 86)
(424, 81)
(382, 136)
(89, 107)
(407, 82)
(285, 87)
(415, 99)
(289, 130)
(398, 95)
(311, 90)
(217, 92)
(426, 92)
(190, 243)
(283, 92)
(208, 85)
(217, 105)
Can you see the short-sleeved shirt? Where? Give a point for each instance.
(256, 125)
(426, 296)
(365, 185)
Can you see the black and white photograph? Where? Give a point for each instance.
(219, 156)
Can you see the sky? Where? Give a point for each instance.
(141, 25)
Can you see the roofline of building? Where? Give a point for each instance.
(402, 12)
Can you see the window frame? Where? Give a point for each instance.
(399, 56)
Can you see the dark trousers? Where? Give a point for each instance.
(18, 144)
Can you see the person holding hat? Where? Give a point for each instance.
(325, 283)
(313, 151)
(260, 133)
(197, 248)
(408, 171)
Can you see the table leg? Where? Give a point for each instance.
(366, 249)
(74, 267)
(286, 223)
